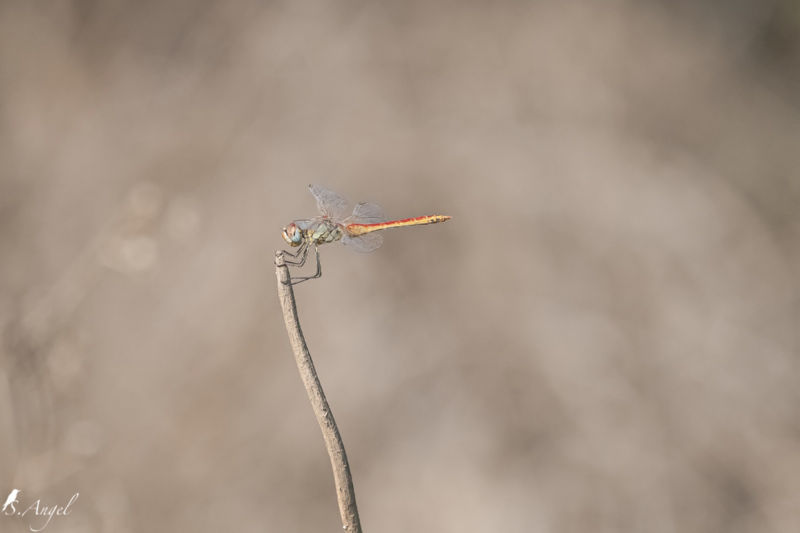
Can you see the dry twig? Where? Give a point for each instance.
(333, 440)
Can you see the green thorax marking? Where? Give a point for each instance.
(324, 232)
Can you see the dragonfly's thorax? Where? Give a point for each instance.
(324, 230)
(315, 231)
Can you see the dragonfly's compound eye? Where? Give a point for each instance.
(291, 234)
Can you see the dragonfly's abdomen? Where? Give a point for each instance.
(360, 229)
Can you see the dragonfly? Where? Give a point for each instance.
(359, 229)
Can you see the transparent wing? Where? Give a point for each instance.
(329, 203)
(363, 243)
(366, 213)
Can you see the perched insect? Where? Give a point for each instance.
(358, 230)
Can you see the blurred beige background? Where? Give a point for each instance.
(603, 338)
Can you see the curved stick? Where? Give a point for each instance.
(333, 440)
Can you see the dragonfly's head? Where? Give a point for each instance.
(292, 235)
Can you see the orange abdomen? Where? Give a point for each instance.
(360, 229)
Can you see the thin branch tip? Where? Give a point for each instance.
(343, 480)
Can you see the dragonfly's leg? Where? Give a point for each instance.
(299, 256)
(318, 273)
